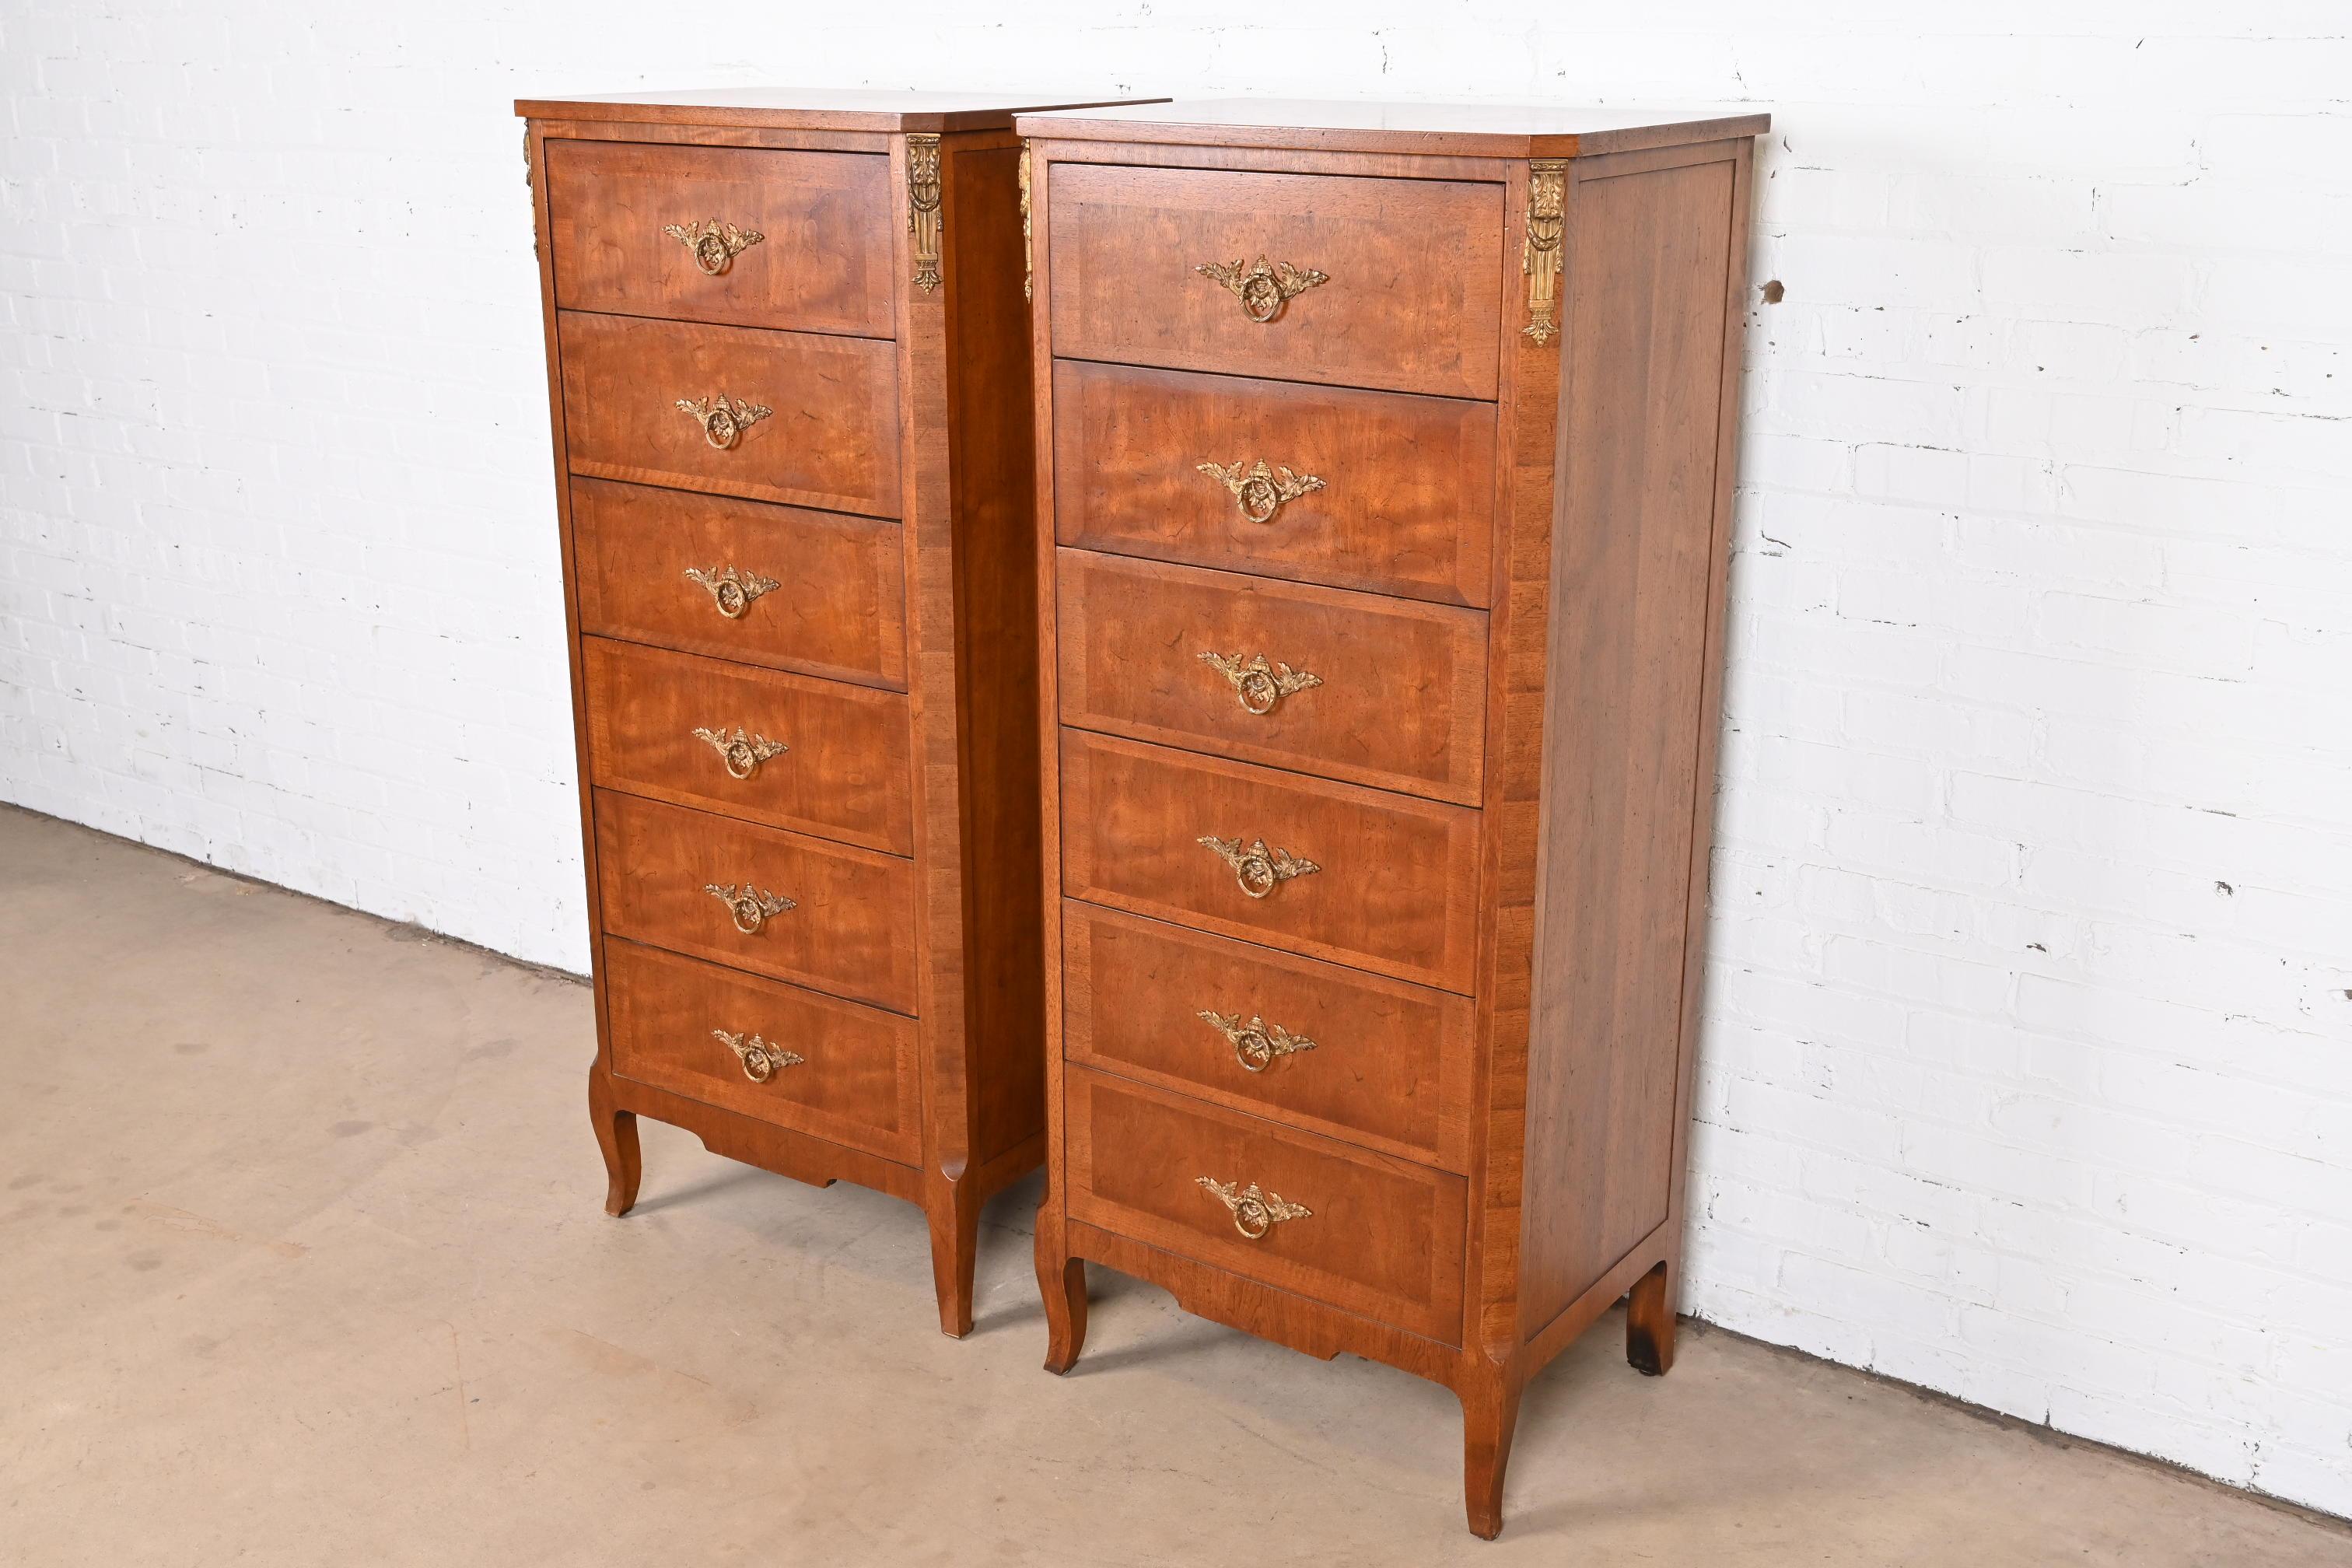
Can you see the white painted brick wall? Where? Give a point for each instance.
(2028, 1061)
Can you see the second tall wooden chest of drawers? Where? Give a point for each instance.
(788, 354)
(1385, 460)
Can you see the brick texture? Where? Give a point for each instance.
(2027, 1062)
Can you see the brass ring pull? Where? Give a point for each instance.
(742, 753)
(751, 907)
(1254, 1213)
(1257, 1043)
(732, 591)
(1258, 870)
(713, 243)
(1263, 287)
(1261, 492)
(1259, 683)
(762, 1061)
(723, 418)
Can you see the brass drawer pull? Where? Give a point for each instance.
(730, 590)
(1257, 869)
(1263, 287)
(762, 1061)
(1257, 1043)
(723, 418)
(1261, 492)
(713, 243)
(1258, 684)
(751, 907)
(1254, 1213)
(742, 753)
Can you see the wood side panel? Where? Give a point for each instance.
(1396, 889)
(1397, 706)
(1390, 1064)
(1384, 1238)
(838, 609)
(847, 933)
(855, 1083)
(843, 772)
(996, 634)
(830, 440)
(1406, 499)
(1409, 303)
(570, 548)
(1635, 561)
(822, 263)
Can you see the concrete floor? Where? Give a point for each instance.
(305, 1264)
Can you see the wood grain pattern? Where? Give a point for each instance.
(838, 609)
(1396, 894)
(1410, 304)
(1384, 1239)
(858, 1085)
(849, 933)
(844, 775)
(1406, 505)
(830, 441)
(1629, 642)
(1389, 1069)
(822, 265)
(1398, 706)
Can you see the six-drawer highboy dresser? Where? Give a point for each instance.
(788, 361)
(1384, 478)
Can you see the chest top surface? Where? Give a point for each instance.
(1473, 129)
(805, 109)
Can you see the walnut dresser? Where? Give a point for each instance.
(1384, 479)
(788, 358)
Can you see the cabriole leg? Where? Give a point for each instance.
(616, 1135)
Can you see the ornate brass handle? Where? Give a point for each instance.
(723, 418)
(713, 243)
(742, 753)
(1258, 683)
(1254, 1213)
(1261, 492)
(1257, 869)
(730, 590)
(751, 907)
(1263, 287)
(1257, 1043)
(762, 1061)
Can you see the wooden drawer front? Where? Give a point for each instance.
(1407, 484)
(1383, 1237)
(855, 1083)
(1396, 890)
(1402, 702)
(830, 439)
(1328, 1049)
(657, 723)
(851, 929)
(822, 263)
(812, 591)
(1413, 298)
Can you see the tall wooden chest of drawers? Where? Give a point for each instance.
(1384, 480)
(788, 357)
